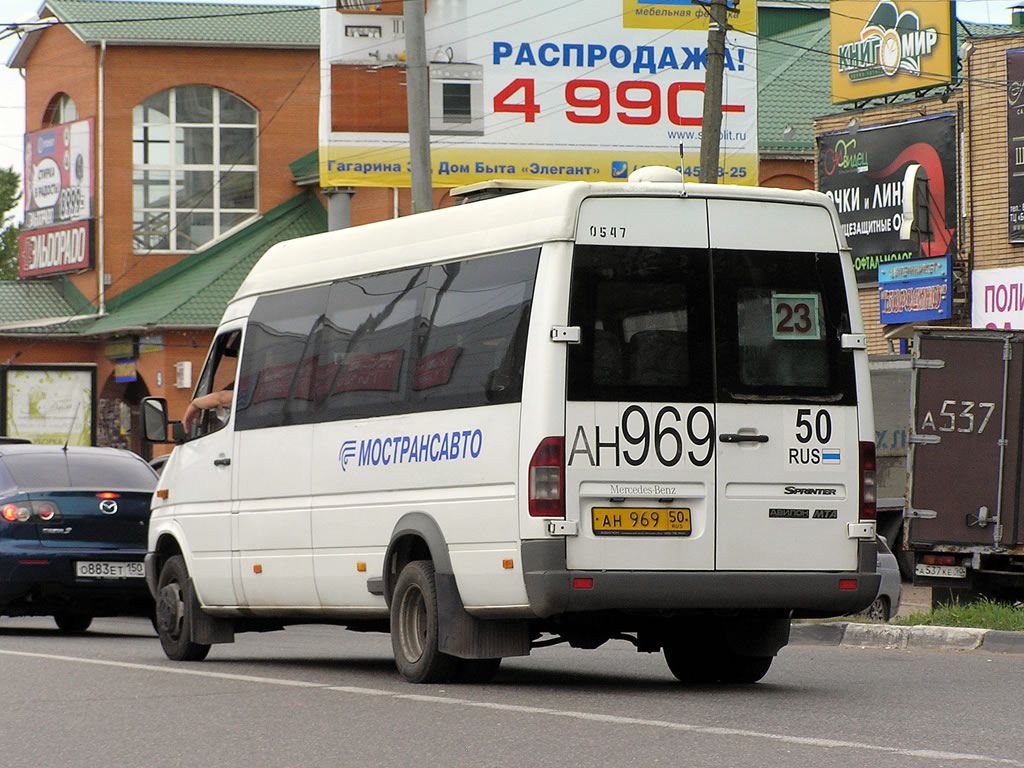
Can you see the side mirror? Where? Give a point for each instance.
(154, 420)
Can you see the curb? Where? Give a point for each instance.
(890, 637)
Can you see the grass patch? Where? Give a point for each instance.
(982, 614)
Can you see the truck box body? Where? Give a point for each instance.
(965, 488)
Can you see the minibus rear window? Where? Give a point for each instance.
(644, 318)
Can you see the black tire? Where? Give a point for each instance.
(173, 614)
(703, 665)
(690, 663)
(879, 609)
(72, 623)
(414, 627)
(476, 670)
(744, 670)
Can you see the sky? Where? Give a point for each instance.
(12, 87)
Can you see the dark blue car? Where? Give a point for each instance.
(73, 524)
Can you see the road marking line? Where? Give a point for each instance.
(806, 741)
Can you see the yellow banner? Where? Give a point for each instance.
(366, 166)
(685, 14)
(886, 47)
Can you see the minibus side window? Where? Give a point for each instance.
(779, 318)
(470, 341)
(645, 330)
(218, 374)
(276, 379)
(365, 347)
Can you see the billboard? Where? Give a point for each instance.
(1015, 143)
(50, 404)
(890, 46)
(56, 236)
(863, 171)
(528, 90)
(997, 298)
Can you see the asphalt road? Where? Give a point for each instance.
(317, 695)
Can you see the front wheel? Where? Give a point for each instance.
(414, 627)
(174, 613)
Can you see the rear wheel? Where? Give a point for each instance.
(72, 623)
(704, 664)
(174, 613)
(414, 627)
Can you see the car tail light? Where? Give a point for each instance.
(30, 511)
(867, 480)
(108, 495)
(547, 479)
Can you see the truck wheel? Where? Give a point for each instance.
(72, 623)
(174, 614)
(414, 627)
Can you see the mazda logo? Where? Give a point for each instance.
(108, 506)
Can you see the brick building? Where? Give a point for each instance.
(192, 116)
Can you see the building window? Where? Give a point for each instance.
(194, 167)
(61, 109)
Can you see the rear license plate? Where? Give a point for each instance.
(101, 569)
(636, 521)
(942, 571)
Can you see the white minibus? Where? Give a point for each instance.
(594, 411)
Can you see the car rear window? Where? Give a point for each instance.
(54, 471)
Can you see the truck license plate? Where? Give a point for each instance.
(941, 571)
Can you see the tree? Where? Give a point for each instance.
(10, 194)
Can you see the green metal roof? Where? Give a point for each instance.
(48, 304)
(192, 293)
(794, 86)
(128, 22)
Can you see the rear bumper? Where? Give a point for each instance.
(41, 582)
(551, 591)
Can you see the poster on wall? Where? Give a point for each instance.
(58, 174)
(1015, 143)
(50, 404)
(529, 90)
(863, 172)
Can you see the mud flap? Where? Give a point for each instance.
(206, 629)
(468, 637)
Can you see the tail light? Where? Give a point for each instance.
(867, 480)
(30, 512)
(108, 495)
(547, 479)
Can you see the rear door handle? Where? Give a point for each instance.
(221, 462)
(733, 437)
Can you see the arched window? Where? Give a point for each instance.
(194, 167)
(61, 109)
